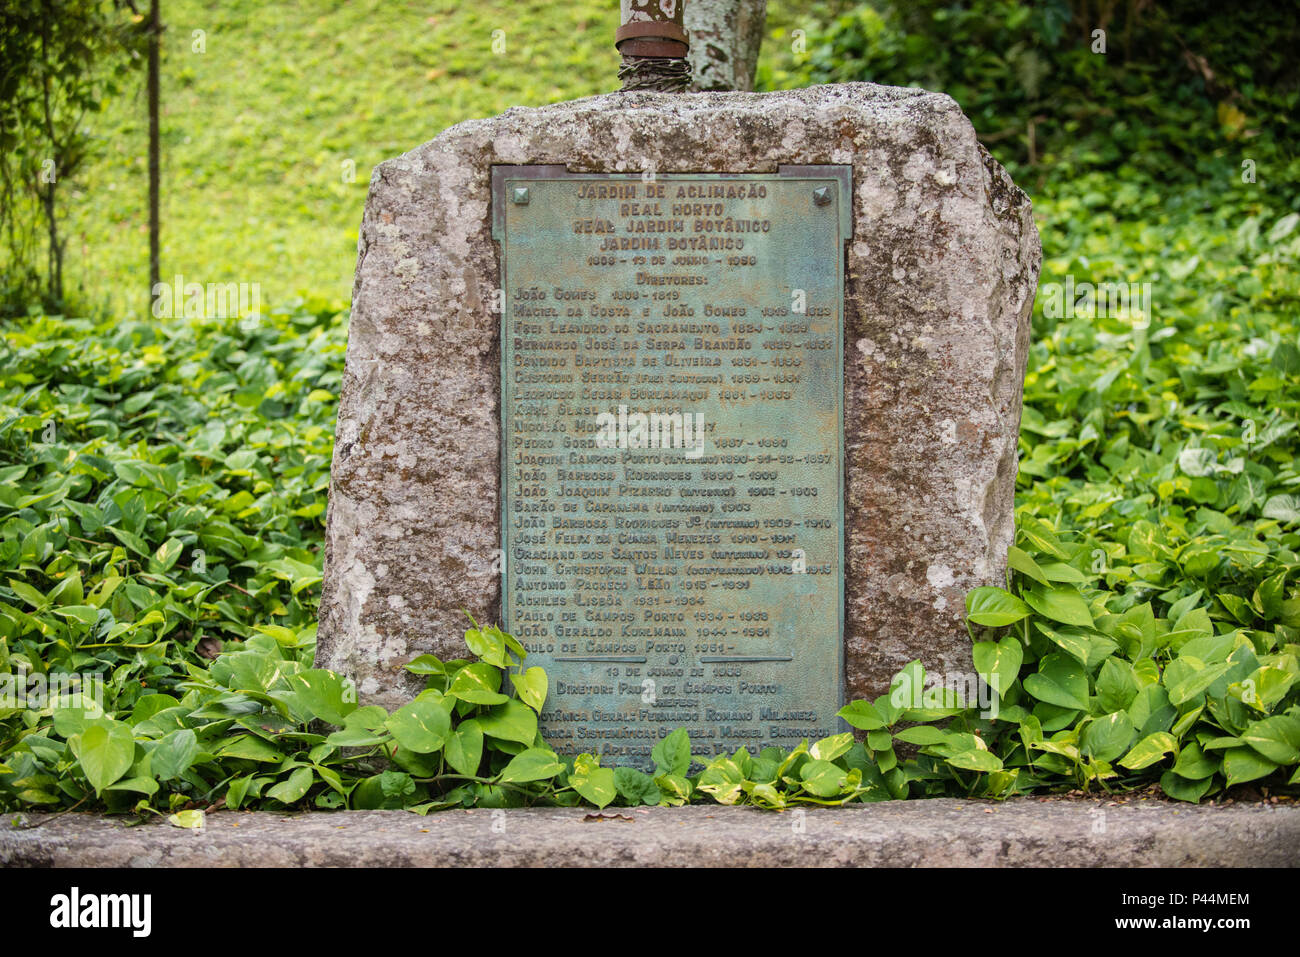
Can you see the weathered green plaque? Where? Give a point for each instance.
(672, 463)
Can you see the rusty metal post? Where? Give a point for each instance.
(653, 45)
(155, 220)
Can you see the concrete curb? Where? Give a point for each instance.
(937, 833)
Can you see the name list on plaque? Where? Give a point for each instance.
(672, 453)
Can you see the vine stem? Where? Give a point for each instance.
(828, 803)
(469, 777)
(30, 827)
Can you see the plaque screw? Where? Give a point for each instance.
(520, 196)
(822, 196)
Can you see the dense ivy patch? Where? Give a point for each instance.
(163, 493)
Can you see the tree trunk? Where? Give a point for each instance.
(725, 37)
(54, 264)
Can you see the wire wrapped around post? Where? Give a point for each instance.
(653, 45)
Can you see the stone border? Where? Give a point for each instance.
(1025, 832)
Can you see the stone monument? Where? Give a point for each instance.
(711, 399)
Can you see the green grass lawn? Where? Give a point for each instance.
(270, 134)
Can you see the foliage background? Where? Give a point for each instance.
(162, 484)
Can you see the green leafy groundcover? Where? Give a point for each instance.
(261, 727)
(162, 491)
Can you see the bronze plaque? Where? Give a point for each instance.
(672, 452)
